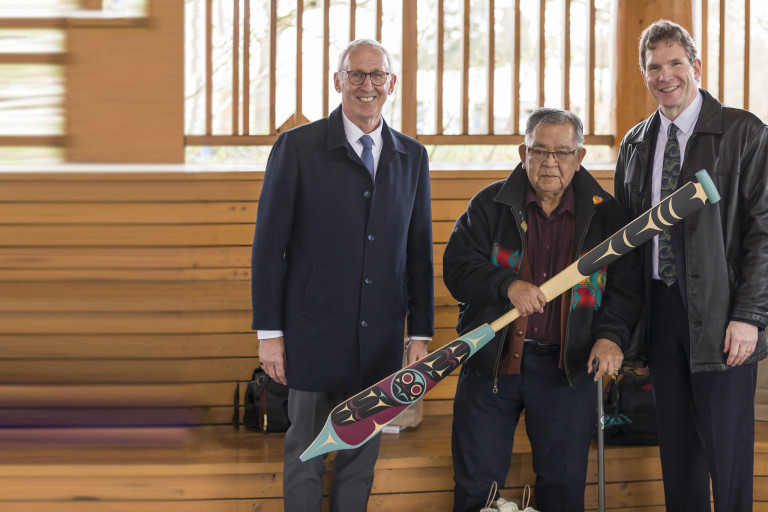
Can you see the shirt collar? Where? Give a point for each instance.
(567, 203)
(353, 132)
(687, 117)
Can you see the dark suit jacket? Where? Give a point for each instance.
(338, 263)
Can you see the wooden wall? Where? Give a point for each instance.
(130, 293)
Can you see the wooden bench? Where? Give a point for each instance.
(131, 289)
(125, 324)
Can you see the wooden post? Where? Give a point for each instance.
(125, 88)
(407, 76)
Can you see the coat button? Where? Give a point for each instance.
(371, 238)
(516, 356)
(519, 333)
(367, 194)
(363, 324)
(367, 280)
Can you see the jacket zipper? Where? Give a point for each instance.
(504, 331)
(570, 298)
(498, 360)
(688, 145)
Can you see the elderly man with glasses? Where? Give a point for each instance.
(342, 255)
(515, 235)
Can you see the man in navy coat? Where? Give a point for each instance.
(342, 255)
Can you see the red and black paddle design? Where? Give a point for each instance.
(361, 417)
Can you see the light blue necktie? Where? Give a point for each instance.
(367, 154)
(670, 172)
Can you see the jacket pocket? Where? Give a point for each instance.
(318, 291)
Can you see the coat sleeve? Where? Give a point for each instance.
(468, 271)
(420, 269)
(750, 300)
(274, 223)
(618, 180)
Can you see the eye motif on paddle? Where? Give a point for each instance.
(408, 386)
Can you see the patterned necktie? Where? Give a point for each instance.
(367, 154)
(670, 172)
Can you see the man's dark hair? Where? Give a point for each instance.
(665, 31)
(546, 115)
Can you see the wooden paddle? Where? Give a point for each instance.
(355, 421)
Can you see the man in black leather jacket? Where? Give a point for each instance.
(707, 300)
(515, 235)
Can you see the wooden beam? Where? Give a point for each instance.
(747, 32)
(32, 140)
(542, 53)
(566, 66)
(491, 63)
(209, 67)
(33, 58)
(18, 22)
(408, 79)
(482, 140)
(272, 65)
(246, 68)
(465, 69)
(326, 57)
(95, 5)
(297, 113)
(439, 70)
(590, 68)
(267, 140)
(109, 80)
(516, 73)
(235, 98)
(704, 41)
(721, 64)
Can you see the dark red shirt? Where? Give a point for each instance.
(550, 243)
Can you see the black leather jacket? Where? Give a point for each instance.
(723, 247)
(475, 277)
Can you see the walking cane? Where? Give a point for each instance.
(600, 441)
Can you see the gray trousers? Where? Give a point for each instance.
(303, 481)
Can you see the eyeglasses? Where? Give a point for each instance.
(560, 156)
(357, 77)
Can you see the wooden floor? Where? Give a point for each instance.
(217, 469)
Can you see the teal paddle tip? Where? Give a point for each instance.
(318, 447)
(325, 442)
(709, 186)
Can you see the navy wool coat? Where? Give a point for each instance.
(338, 264)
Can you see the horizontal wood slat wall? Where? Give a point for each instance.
(130, 293)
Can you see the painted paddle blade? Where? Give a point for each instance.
(355, 421)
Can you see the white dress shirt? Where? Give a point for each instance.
(685, 123)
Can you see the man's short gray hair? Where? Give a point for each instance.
(365, 42)
(553, 116)
(665, 31)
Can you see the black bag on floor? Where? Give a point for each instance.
(630, 413)
(266, 404)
